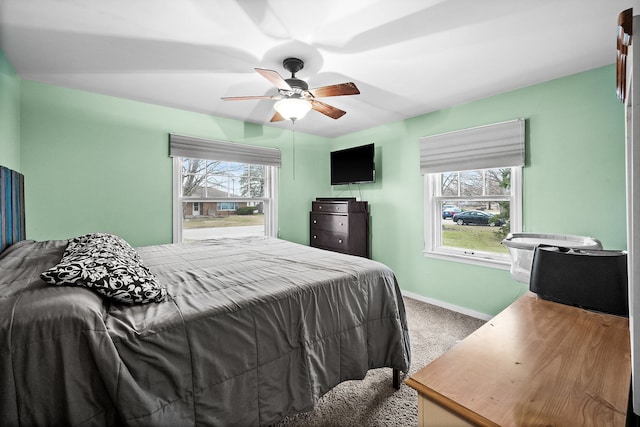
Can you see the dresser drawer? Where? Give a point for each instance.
(330, 207)
(337, 223)
(330, 240)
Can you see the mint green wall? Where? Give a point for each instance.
(9, 115)
(99, 163)
(573, 181)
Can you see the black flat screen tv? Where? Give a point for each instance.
(353, 165)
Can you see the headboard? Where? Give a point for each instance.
(12, 227)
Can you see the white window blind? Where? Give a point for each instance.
(199, 148)
(483, 147)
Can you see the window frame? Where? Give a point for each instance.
(270, 201)
(433, 222)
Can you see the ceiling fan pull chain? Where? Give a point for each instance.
(294, 148)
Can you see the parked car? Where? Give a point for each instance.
(476, 217)
(450, 211)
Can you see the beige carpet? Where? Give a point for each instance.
(373, 401)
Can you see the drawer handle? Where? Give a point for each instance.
(319, 207)
(341, 223)
(315, 237)
(315, 222)
(337, 208)
(339, 240)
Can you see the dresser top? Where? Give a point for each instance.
(336, 199)
(536, 363)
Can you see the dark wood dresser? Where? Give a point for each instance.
(340, 225)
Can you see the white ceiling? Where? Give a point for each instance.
(407, 57)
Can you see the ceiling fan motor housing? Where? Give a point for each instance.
(293, 65)
(297, 84)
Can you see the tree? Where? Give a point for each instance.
(471, 183)
(503, 178)
(199, 177)
(193, 175)
(195, 178)
(449, 184)
(252, 181)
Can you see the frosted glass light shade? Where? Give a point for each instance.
(292, 108)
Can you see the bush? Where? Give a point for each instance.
(247, 210)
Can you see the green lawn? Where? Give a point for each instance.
(475, 237)
(228, 221)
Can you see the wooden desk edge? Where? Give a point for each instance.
(458, 409)
(449, 404)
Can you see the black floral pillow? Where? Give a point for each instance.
(110, 266)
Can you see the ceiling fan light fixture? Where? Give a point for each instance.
(292, 108)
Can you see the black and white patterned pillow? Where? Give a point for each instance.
(109, 265)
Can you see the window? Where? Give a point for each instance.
(220, 194)
(470, 210)
(227, 206)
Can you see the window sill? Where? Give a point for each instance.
(466, 259)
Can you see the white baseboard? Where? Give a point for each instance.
(448, 306)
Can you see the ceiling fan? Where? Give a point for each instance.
(295, 97)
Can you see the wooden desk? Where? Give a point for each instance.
(537, 363)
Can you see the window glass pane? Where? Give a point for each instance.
(193, 186)
(498, 181)
(233, 187)
(192, 166)
(237, 169)
(471, 183)
(216, 186)
(449, 184)
(193, 178)
(256, 187)
(252, 184)
(479, 226)
(215, 167)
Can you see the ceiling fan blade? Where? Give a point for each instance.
(335, 90)
(327, 110)
(242, 98)
(277, 117)
(274, 78)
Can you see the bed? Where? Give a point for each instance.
(248, 331)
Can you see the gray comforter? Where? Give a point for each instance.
(253, 330)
